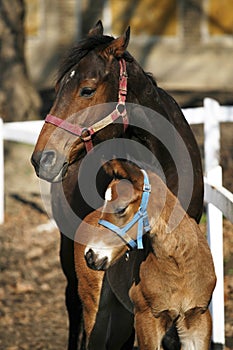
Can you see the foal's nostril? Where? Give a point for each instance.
(95, 262)
(89, 256)
(48, 158)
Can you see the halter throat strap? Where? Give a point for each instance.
(140, 217)
(86, 133)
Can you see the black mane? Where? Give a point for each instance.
(75, 54)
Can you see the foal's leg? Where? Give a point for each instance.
(73, 303)
(149, 330)
(195, 330)
(89, 289)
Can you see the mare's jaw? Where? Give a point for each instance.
(48, 166)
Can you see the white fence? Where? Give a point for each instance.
(219, 200)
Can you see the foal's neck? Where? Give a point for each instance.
(173, 231)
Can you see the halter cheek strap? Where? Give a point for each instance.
(141, 217)
(86, 133)
(123, 92)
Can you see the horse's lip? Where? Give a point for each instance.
(62, 173)
(57, 178)
(103, 265)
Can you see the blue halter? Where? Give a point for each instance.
(141, 217)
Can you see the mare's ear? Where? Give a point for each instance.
(98, 29)
(118, 46)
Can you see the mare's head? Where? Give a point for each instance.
(89, 76)
(123, 198)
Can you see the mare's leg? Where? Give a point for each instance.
(113, 329)
(73, 303)
(121, 333)
(195, 330)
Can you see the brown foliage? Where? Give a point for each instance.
(18, 98)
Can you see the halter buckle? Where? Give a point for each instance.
(120, 107)
(124, 75)
(87, 137)
(147, 188)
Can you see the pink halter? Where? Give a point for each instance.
(85, 134)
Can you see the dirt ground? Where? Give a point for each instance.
(32, 308)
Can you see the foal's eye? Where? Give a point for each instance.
(120, 211)
(87, 92)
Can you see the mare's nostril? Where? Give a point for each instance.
(49, 165)
(48, 159)
(35, 158)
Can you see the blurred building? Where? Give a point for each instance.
(186, 44)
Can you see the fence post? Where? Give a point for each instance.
(1, 173)
(214, 217)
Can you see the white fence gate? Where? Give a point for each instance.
(219, 200)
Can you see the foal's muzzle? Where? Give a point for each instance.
(95, 262)
(49, 166)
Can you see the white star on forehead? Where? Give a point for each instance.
(72, 73)
(108, 194)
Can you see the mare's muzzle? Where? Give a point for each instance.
(49, 165)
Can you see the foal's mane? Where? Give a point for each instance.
(133, 163)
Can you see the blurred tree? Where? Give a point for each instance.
(18, 98)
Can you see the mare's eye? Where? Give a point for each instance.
(120, 211)
(87, 92)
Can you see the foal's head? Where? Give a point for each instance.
(113, 230)
(122, 201)
(123, 195)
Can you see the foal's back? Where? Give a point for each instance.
(181, 262)
(177, 279)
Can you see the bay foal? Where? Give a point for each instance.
(176, 279)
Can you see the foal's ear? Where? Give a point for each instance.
(114, 169)
(108, 169)
(98, 29)
(118, 46)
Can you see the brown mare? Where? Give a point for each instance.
(177, 279)
(87, 79)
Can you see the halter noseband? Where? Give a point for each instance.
(141, 217)
(86, 133)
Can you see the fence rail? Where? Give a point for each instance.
(219, 200)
